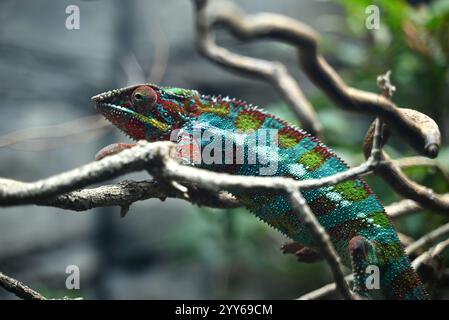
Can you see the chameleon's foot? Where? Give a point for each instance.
(113, 149)
(304, 254)
(291, 247)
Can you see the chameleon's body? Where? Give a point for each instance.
(359, 228)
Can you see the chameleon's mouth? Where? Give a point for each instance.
(133, 123)
(122, 116)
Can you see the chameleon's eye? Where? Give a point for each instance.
(144, 96)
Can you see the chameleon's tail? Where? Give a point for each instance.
(384, 272)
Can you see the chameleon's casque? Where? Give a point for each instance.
(361, 231)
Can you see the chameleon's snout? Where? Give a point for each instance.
(108, 96)
(96, 98)
(103, 97)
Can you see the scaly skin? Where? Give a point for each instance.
(360, 230)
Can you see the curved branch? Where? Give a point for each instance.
(324, 290)
(428, 239)
(423, 241)
(431, 253)
(323, 241)
(271, 71)
(128, 192)
(279, 27)
(412, 190)
(391, 173)
(156, 158)
(141, 156)
(19, 289)
(402, 208)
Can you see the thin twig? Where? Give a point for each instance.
(417, 161)
(19, 289)
(431, 253)
(428, 239)
(391, 173)
(322, 241)
(384, 83)
(409, 189)
(324, 290)
(406, 206)
(412, 248)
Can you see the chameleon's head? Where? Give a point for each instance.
(146, 111)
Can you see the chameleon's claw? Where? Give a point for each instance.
(291, 247)
(304, 254)
(308, 255)
(112, 149)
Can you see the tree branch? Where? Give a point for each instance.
(425, 139)
(322, 241)
(412, 248)
(271, 71)
(128, 192)
(391, 172)
(431, 253)
(19, 289)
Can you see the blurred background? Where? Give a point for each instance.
(172, 249)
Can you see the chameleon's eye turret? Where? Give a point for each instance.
(144, 97)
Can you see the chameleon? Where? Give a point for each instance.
(359, 228)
